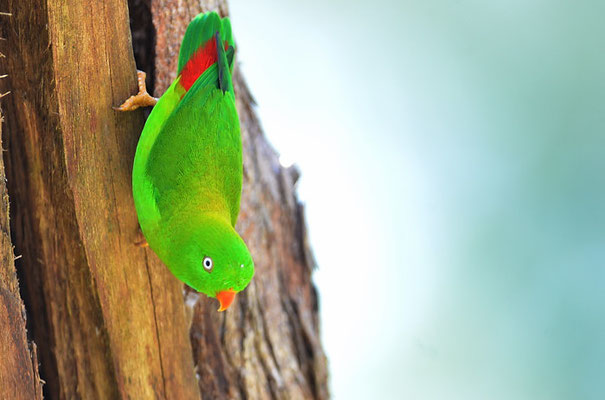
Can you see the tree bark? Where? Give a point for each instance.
(19, 377)
(109, 319)
(107, 316)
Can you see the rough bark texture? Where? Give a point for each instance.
(109, 319)
(107, 316)
(19, 377)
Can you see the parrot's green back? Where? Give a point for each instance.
(187, 173)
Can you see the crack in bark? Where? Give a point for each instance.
(143, 38)
(155, 317)
(143, 42)
(267, 339)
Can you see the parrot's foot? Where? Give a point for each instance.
(140, 240)
(141, 99)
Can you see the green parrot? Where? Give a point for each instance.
(187, 173)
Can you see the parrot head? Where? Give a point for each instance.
(211, 257)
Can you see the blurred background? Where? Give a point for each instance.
(453, 171)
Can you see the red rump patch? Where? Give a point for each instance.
(199, 62)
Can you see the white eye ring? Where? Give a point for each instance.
(241, 266)
(207, 264)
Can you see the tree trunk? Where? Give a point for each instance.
(109, 319)
(19, 377)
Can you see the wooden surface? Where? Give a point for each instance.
(109, 319)
(19, 377)
(107, 316)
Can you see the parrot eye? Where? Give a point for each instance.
(241, 266)
(207, 263)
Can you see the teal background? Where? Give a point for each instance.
(453, 171)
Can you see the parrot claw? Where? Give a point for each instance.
(141, 99)
(141, 241)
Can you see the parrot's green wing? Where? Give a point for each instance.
(199, 150)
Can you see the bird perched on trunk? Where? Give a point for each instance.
(187, 173)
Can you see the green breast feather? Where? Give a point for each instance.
(187, 174)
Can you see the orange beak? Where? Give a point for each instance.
(225, 298)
